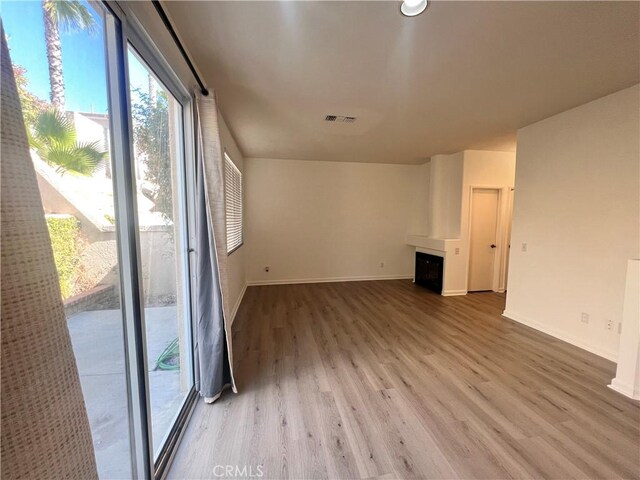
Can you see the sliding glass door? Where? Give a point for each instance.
(109, 127)
(162, 229)
(156, 147)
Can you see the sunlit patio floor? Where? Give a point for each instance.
(97, 338)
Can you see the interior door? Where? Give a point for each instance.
(483, 238)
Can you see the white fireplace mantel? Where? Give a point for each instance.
(454, 281)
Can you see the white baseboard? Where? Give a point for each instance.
(329, 280)
(561, 336)
(237, 305)
(624, 389)
(452, 293)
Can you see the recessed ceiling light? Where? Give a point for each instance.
(411, 8)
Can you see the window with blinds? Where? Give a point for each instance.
(233, 204)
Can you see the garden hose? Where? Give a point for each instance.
(170, 353)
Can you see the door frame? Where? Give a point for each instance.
(499, 262)
(508, 227)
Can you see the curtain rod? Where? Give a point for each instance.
(167, 24)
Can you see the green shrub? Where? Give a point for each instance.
(63, 231)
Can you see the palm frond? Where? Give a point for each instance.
(91, 150)
(52, 127)
(74, 158)
(33, 141)
(54, 137)
(72, 16)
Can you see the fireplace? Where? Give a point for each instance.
(429, 271)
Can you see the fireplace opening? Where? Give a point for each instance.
(429, 271)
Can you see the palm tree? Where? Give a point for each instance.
(53, 136)
(65, 15)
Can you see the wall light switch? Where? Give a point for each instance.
(584, 317)
(524, 247)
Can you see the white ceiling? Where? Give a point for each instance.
(463, 75)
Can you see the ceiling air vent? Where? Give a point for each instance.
(339, 118)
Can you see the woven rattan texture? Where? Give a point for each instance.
(45, 431)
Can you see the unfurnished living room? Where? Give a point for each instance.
(320, 239)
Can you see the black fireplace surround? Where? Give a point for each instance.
(429, 271)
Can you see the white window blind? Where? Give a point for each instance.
(233, 204)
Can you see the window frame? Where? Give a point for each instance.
(227, 158)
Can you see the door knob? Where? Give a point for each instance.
(493, 245)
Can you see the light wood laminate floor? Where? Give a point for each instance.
(388, 380)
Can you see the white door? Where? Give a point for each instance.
(483, 246)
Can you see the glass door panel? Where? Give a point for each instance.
(158, 161)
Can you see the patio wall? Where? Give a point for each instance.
(99, 251)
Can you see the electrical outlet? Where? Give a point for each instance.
(457, 251)
(584, 318)
(523, 247)
(609, 324)
(266, 269)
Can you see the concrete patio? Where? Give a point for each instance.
(97, 338)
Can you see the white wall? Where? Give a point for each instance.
(420, 217)
(576, 208)
(318, 221)
(627, 380)
(236, 271)
(445, 190)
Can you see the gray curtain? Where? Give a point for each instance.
(45, 430)
(213, 342)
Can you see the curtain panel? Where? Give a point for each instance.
(45, 429)
(213, 340)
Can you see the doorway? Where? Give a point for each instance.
(483, 239)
